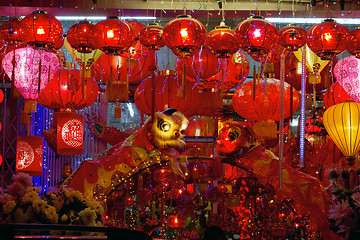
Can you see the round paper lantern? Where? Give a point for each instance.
(334, 95)
(65, 90)
(80, 37)
(184, 35)
(327, 39)
(292, 37)
(222, 41)
(41, 30)
(200, 66)
(1, 96)
(167, 94)
(10, 31)
(59, 44)
(266, 105)
(152, 36)
(28, 61)
(136, 27)
(113, 36)
(273, 55)
(176, 221)
(353, 42)
(256, 35)
(342, 122)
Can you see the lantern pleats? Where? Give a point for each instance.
(342, 122)
(29, 155)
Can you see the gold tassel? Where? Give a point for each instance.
(84, 88)
(30, 105)
(117, 111)
(24, 118)
(314, 95)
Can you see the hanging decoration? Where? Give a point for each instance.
(353, 44)
(256, 35)
(292, 37)
(10, 31)
(29, 155)
(80, 37)
(327, 39)
(222, 41)
(334, 95)
(152, 36)
(273, 55)
(41, 30)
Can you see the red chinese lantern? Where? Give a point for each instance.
(184, 35)
(152, 36)
(70, 131)
(327, 39)
(1, 96)
(59, 44)
(29, 155)
(66, 91)
(256, 35)
(353, 42)
(113, 36)
(167, 95)
(292, 37)
(41, 30)
(176, 221)
(273, 55)
(136, 27)
(222, 41)
(315, 125)
(202, 65)
(80, 37)
(10, 31)
(266, 105)
(334, 95)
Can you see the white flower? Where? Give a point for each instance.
(87, 216)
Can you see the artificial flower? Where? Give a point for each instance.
(9, 206)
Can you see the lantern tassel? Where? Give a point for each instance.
(109, 94)
(30, 105)
(254, 82)
(117, 111)
(84, 87)
(222, 83)
(314, 95)
(183, 80)
(153, 84)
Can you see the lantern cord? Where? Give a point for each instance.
(281, 125)
(302, 106)
(183, 82)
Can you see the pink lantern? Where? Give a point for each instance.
(346, 72)
(28, 61)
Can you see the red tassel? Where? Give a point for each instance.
(117, 111)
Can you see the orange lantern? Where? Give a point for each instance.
(29, 155)
(176, 221)
(70, 129)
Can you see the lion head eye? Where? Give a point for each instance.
(164, 125)
(233, 135)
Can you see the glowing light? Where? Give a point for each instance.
(110, 34)
(72, 133)
(40, 31)
(328, 36)
(257, 33)
(184, 33)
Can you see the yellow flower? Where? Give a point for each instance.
(39, 205)
(87, 216)
(19, 216)
(58, 203)
(9, 206)
(95, 205)
(51, 215)
(64, 218)
(77, 195)
(30, 197)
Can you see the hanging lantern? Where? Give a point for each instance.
(266, 105)
(29, 155)
(113, 36)
(184, 35)
(346, 72)
(58, 45)
(292, 37)
(353, 44)
(10, 31)
(273, 56)
(80, 37)
(41, 30)
(33, 69)
(136, 27)
(176, 221)
(327, 39)
(1, 96)
(256, 35)
(152, 36)
(69, 133)
(222, 41)
(167, 95)
(65, 91)
(342, 122)
(334, 95)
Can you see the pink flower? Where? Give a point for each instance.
(356, 198)
(20, 186)
(339, 211)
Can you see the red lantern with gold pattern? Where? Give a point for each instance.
(184, 35)
(80, 37)
(256, 35)
(292, 37)
(113, 36)
(266, 105)
(70, 133)
(353, 44)
(41, 30)
(66, 91)
(10, 31)
(29, 155)
(334, 95)
(152, 36)
(176, 221)
(327, 39)
(222, 41)
(167, 94)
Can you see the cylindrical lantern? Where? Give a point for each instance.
(222, 41)
(70, 131)
(334, 95)
(342, 122)
(29, 155)
(10, 31)
(353, 42)
(184, 35)
(152, 36)
(41, 30)
(80, 37)
(113, 36)
(292, 37)
(256, 35)
(327, 39)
